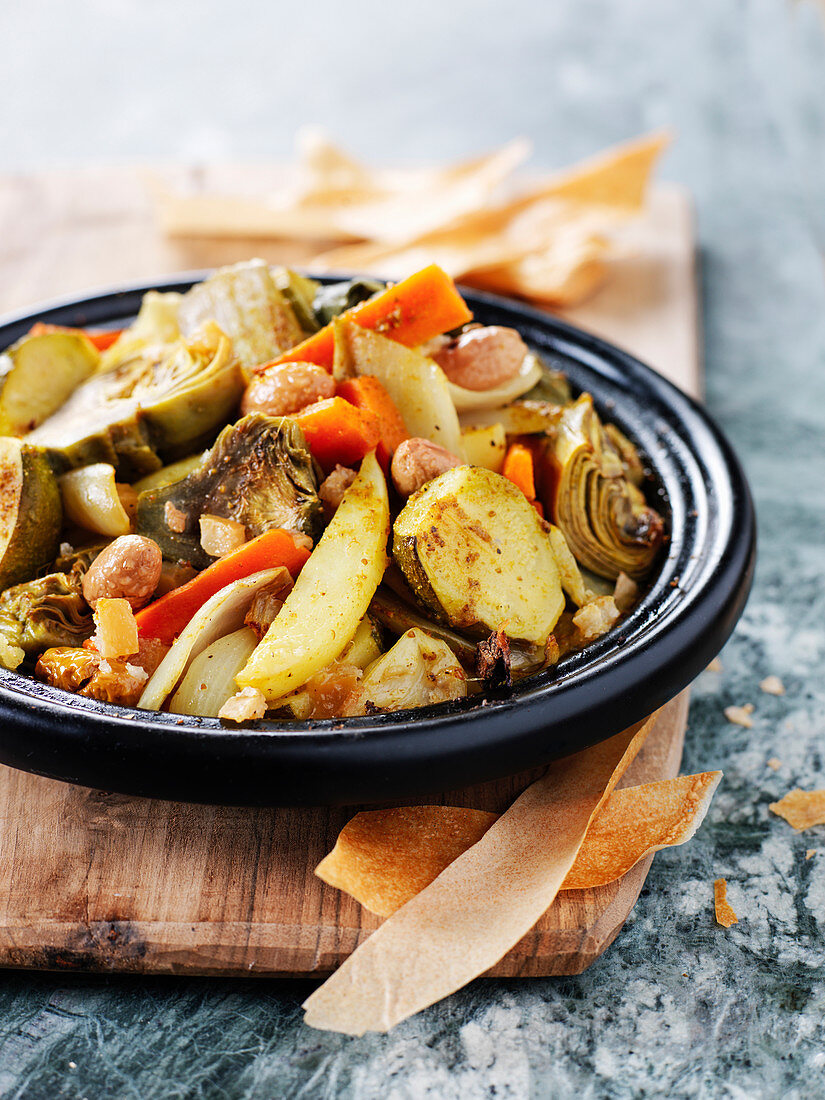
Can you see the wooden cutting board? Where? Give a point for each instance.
(97, 881)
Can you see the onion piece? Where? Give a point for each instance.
(219, 616)
(529, 374)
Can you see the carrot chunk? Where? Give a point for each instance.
(369, 394)
(518, 467)
(338, 432)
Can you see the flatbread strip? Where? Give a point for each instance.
(482, 904)
(385, 857)
(801, 809)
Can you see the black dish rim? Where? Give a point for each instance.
(681, 624)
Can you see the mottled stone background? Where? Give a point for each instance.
(678, 1006)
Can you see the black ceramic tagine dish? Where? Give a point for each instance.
(691, 608)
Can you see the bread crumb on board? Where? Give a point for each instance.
(724, 913)
(740, 716)
(772, 685)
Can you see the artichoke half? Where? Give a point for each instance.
(259, 472)
(253, 312)
(161, 399)
(49, 611)
(608, 525)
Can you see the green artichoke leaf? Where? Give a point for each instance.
(49, 611)
(247, 305)
(160, 400)
(260, 473)
(299, 290)
(334, 299)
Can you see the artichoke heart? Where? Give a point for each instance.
(159, 399)
(49, 611)
(245, 301)
(473, 550)
(259, 472)
(608, 525)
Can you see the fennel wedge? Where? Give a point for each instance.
(473, 550)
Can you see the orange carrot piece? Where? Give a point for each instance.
(518, 467)
(101, 338)
(165, 618)
(413, 311)
(368, 393)
(338, 432)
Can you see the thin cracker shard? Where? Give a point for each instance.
(801, 809)
(724, 912)
(772, 685)
(385, 857)
(481, 905)
(740, 716)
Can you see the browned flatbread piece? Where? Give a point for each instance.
(385, 857)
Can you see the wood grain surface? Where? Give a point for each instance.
(103, 882)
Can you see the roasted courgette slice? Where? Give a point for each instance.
(30, 511)
(473, 550)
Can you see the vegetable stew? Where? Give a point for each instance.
(271, 497)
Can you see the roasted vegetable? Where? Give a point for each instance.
(91, 500)
(49, 611)
(30, 511)
(334, 299)
(520, 418)
(552, 388)
(417, 672)
(608, 525)
(210, 678)
(39, 373)
(168, 475)
(247, 305)
(398, 616)
(466, 400)
(473, 550)
(325, 693)
(259, 472)
(485, 445)
(418, 386)
(223, 614)
(411, 312)
(161, 400)
(300, 292)
(332, 593)
(156, 324)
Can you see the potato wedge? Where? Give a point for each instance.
(485, 445)
(332, 593)
(472, 548)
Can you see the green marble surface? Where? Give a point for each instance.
(677, 1006)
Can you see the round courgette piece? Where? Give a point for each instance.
(473, 550)
(30, 511)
